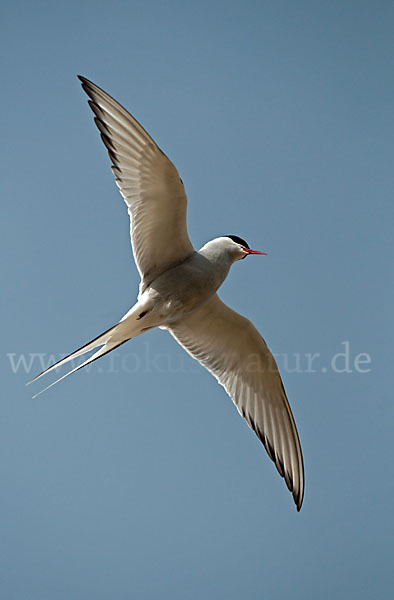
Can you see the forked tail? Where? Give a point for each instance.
(109, 340)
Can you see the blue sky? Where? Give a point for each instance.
(138, 479)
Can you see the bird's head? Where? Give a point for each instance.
(229, 248)
(238, 248)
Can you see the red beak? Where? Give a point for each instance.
(249, 251)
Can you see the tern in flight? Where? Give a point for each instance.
(178, 289)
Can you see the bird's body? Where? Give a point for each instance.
(178, 289)
(186, 287)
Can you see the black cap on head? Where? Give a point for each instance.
(238, 240)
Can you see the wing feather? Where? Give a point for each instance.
(150, 185)
(231, 348)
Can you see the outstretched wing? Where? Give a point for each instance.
(149, 183)
(232, 349)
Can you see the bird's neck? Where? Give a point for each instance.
(215, 255)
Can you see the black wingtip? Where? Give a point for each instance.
(86, 84)
(298, 501)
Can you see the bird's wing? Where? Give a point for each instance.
(149, 183)
(231, 348)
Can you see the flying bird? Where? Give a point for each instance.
(178, 289)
